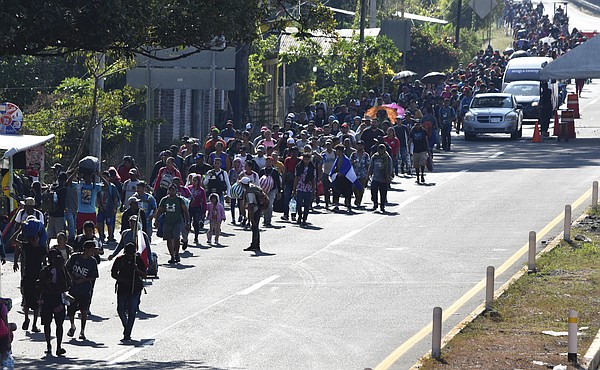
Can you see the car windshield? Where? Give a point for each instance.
(523, 90)
(492, 102)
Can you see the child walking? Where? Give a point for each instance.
(216, 215)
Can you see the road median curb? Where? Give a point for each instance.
(594, 356)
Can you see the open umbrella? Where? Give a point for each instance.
(403, 74)
(432, 77)
(547, 40)
(520, 54)
(382, 111)
(398, 109)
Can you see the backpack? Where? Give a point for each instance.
(49, 201)
(216, 182)
(262, 199)
(165, 180)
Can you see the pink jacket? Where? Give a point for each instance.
(220, 212)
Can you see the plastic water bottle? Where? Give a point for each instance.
(293, 205)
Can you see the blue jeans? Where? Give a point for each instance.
(70, 217)
(127, 307)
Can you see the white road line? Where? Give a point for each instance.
(345, 237)
(261, 283)
(457, 174)
(258, 285)
(496, 155)
(395, 249)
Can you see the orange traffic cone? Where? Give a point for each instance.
(537, 138)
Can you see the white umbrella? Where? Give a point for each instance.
(403, 74)
(547, 40)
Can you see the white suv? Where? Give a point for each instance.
(494, 113)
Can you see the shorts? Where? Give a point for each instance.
(82, 218)
(420, 159)
(107, 218)
(55, 226)
(52, 308)
(81, 303)
(31, 293)
(172, 232)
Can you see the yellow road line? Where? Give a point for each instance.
(417, 337)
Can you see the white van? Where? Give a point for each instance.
(528, 69)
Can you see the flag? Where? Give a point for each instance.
(142, 247)
(346, 169)
(141, 241)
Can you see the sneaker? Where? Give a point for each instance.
(177, 259)
(196, 240)
(184, 245)
(171, 261)
(267, 224)
(250, 249)
(293, 218)
(82, 336)
(422, 179)
(71, 332)
(336, 209)
(284, 217)
(60, 352)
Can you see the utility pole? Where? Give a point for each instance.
(96, 134)
(373, 14)
(361, 41)
(458, 14)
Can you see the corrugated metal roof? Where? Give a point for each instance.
(289, 43)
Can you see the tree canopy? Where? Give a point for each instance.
(126, 27)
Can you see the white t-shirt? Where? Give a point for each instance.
(22, 216)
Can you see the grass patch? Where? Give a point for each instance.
(499, 39)
(568, 278)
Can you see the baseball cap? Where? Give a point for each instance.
(133, 171)
(29, 201)
(291, 141)
(245, 180)
(260, 148)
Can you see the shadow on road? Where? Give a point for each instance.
(51, 362)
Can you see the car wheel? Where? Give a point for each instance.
(520, 132)
(514, 135)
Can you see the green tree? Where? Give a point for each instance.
(68, 110)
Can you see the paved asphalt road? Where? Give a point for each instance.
(349, 290)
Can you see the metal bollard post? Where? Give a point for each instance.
(489, 288)
(595, 196)
(436, 334)
(567, 234)
(531, 255)
(572, 355)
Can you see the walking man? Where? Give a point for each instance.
(128, 270)
(381, 169)
(84, 271)
(254, 212)
(54, 281)
(177, 217)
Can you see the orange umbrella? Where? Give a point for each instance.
(381, 111)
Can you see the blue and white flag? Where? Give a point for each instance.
(346, 169)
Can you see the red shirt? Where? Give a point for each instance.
(394, 143)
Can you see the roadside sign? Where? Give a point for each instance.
(11, 118)
(483, 7)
